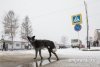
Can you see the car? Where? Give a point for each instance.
(76, 43)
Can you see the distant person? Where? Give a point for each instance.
(89, 44)
(97, 43)
(4, 46)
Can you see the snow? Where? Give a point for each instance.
(76, 53)
(68, 57)
(69, 53)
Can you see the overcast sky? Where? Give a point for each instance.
(51, 19)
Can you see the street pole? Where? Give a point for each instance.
(79, 40)
(88, 45)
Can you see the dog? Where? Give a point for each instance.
(40, 44)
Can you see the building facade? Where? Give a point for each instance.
(96, 41)
(16, 45)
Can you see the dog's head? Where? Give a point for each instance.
(31, 39)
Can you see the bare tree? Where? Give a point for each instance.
(26, 28)
(10, 25)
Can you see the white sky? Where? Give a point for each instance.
(51, 19)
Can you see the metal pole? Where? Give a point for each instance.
(79, 40)
(88, 45)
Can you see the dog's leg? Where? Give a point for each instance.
(55, 54)
(49, 54)
(40, 54)
(36, 63)
(41, 63)
(36, 52)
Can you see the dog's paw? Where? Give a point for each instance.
(49, 59)
(41, 58)
(34, 58)
(57, 59)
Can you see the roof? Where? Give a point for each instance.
(13, 41)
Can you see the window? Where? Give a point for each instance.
(17, 44)
(74, 40)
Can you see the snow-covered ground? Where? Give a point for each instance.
(69, 55)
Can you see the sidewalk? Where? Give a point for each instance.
(91, 49)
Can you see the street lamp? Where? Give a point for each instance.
(88, 44)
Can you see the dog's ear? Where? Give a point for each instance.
(28, 37)
(33, 37)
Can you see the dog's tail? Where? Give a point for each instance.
(54, 47)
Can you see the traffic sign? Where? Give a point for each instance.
(77, 27)
(76, 19)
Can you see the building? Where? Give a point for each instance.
(17, 45)
(96, 38)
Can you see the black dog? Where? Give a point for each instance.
(40, 44)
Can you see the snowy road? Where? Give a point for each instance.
(68, 58)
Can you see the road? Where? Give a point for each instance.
(53, 63)
(68, 58)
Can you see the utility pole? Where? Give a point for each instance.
(88, 45)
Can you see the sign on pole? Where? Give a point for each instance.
(77, 27)
(76, 19)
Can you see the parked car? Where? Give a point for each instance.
(76, 43)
